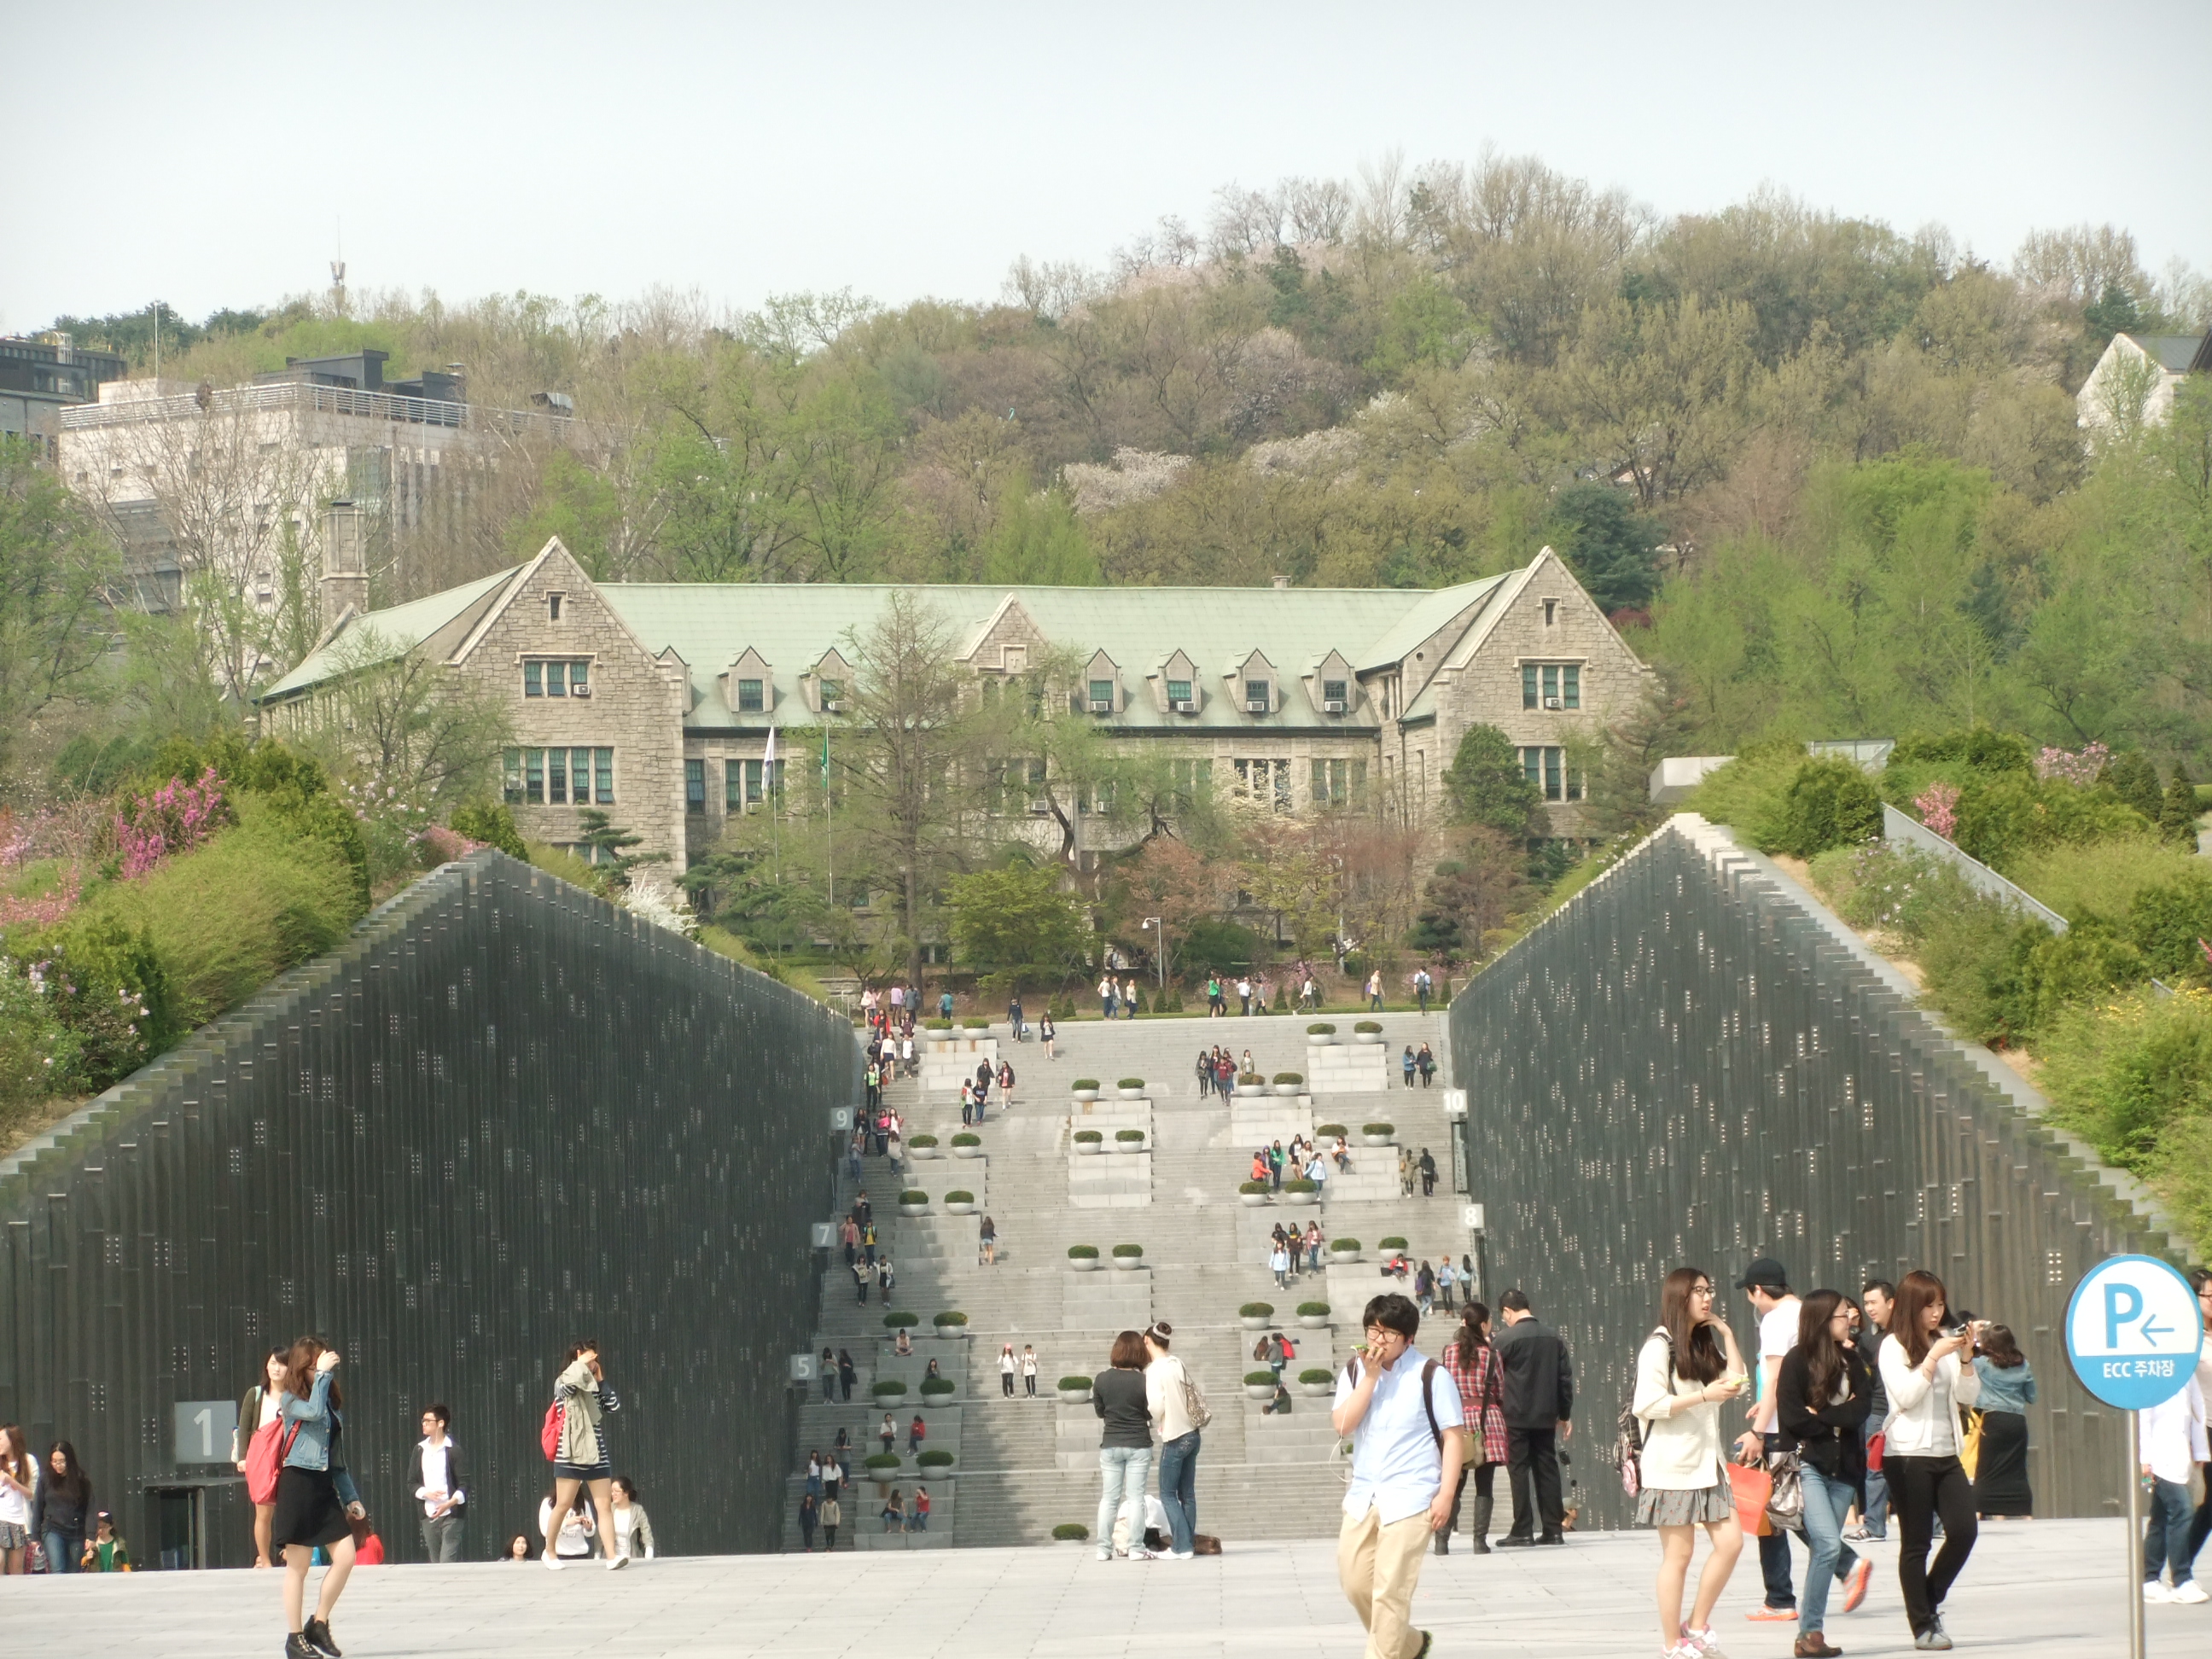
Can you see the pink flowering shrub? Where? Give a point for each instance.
(175, 818)
(446, 844)
(2064, 766)
(1938, 806)
(45, 909)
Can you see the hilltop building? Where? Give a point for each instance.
(656, 700)
(2136, 378)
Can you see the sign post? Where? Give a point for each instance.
(2133, 1332)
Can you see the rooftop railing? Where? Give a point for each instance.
(306, 395)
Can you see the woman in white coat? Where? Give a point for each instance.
(1686, 1371)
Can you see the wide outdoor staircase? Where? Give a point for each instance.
(1022, 1465)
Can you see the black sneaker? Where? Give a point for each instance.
(1516, 1541)
(317, 1633)
(297, 1646)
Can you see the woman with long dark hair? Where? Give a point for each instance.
(254, 1448)
(1472, 1364)
(581, 1459)
(2001, 1488)
(315, 1495)
(1925, 1376)
(18, 1486)
(1687, 1368)
(1821, 1397)
(61, 1508)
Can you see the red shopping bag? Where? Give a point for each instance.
(262, 1463)
(1874, 1454)
(1752, 1488)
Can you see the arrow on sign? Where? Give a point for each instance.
(2151, 1333)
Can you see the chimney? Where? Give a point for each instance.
(345, 565)
(1280, 581)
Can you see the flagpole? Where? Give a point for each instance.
(829, 822)
(774, 827)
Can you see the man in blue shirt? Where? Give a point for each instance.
(1402, 1412)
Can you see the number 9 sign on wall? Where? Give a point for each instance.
(2133, 1332)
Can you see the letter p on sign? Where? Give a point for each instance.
(2123, 1302)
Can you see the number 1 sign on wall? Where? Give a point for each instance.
(203, 1429)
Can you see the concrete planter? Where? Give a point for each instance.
(923, 1154)
(1329, 1039)
(967, 1152)
(1086, 1095)
(1301, 1198)
(1128, 1146)
(1128, 1264)
(1251, 1201)
(1317, 1391)
(1289, 1090)
(914, 1209)
(1344, 1258)
(1084, 1264)
(1252, 1323)
(1088, 1147)
(1130, 1093)
(1378, 1140)
(1248, 1090)
(1260, 1390)
(1314, 1322)
(1367, 1036)
(1075, 1397)
(959, 1209)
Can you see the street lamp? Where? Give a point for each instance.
(1162, 963)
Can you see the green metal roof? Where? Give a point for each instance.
(1431, 612)
(2172, 352)
(400, 628)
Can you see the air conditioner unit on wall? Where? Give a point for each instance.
(1101, 705)
(1554, 702)
(1184, 707)
(579, 690)
(1335, 706)
(1255, 705)
(833, 705)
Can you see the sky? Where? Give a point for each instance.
(218, 156)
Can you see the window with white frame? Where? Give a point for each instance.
(1548, 769)
(1551, 685)
(556, 677)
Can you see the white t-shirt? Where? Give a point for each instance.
(15, 1507)
(1777, 1335)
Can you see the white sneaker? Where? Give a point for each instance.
(1178, 1555)
(2189, 1590)
(553, 1563)
(2154, 1591)
(618, 1561)
(1139, 1552)
(1702, 1643)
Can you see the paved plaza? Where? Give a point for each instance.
(2033, 1591)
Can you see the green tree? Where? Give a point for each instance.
(1014, 918)
(491, 823)
(1610, 546)
(2177, 810)
(2131, 777)
(58, 573)
(1488, 788)
(1829, 803)
(609, 846)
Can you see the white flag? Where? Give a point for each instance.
(770, 759)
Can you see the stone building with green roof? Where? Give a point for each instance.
(656, 700)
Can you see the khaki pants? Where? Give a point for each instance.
(1378, 1567)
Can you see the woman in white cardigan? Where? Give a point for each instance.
(1686, 1371)
(1926, 1380)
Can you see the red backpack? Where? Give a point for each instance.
(550, 1436)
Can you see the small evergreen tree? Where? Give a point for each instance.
(493, 824)
(1487, 785)
(2134, 781)
(2176, 812)
(609, 845)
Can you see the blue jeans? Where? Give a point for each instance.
(1774, 1565)
(1122, 1472)
(1179, 1488)
(62, 1552)
(1876, 1508)
(2166, 1541)
(1826, 1501)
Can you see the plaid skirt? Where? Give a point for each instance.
(1676, 1506)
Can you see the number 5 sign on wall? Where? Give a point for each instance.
(203, 1430)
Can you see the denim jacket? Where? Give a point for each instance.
(320, 1430)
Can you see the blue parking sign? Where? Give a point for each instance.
(2133, 1332)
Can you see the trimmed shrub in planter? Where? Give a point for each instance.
(1075, 1389)
(935, 1460)
(1344, 1244)
(1302, 1191)
(1313, 1315)
(1321, 1028)
(1252, 1193)
(1336, 1129)
(1394, 1243)
(900, 1321)
(1343, 1249)
(950, 1324)
(1316, 1376)
(1135, 1083)
(1128, 1255)
(1089, 1140)
(1251, 1083)
(933, 1387)
(1254, 1316)
(1082, 1253)
(1128, 1140)
(937, 1024)
(975, 1023)
(1085, 1083)
(960, 1202)
(965, 1138)
(1290, 1077)
(1261, 1385)
(1085, 1089)
(967, 1145)
(1316, 1384)
(1367, 1031)
(890, 1389)
(921, 1146)
(883, 1462)
(916, 1200)
(1378, 1134)
(1070, 1532)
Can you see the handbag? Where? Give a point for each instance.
(1751, 1487)
(1785, 1504)
(264, 1458)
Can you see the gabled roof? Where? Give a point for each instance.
(400, 628)
(2173, 353)
(1429, 613)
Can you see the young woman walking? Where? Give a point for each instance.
(1925, 1376)
(1687, 1368)
(1124, 1451)
(19, 1484)
(61, 1508)
(1007, 1366)
(1048, 1034)
(580, 1459)
(2001, 1488)
(1822, 1394)
(1472, 1364)
(315, 1495)
(254, 1449)
(1028, 1371)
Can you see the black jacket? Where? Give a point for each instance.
(1540, 1378)
(1827, 1438)
(457, 1478)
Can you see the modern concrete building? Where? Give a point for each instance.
(657, 700)
(40, 378)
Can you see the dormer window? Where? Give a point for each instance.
(1101, 697)
(1335, 696)
(752, 697)
(1257, 696)
(833, 693)
(1179, 692)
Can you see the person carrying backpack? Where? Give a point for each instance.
(1409, 1445)
(1672, 1460)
